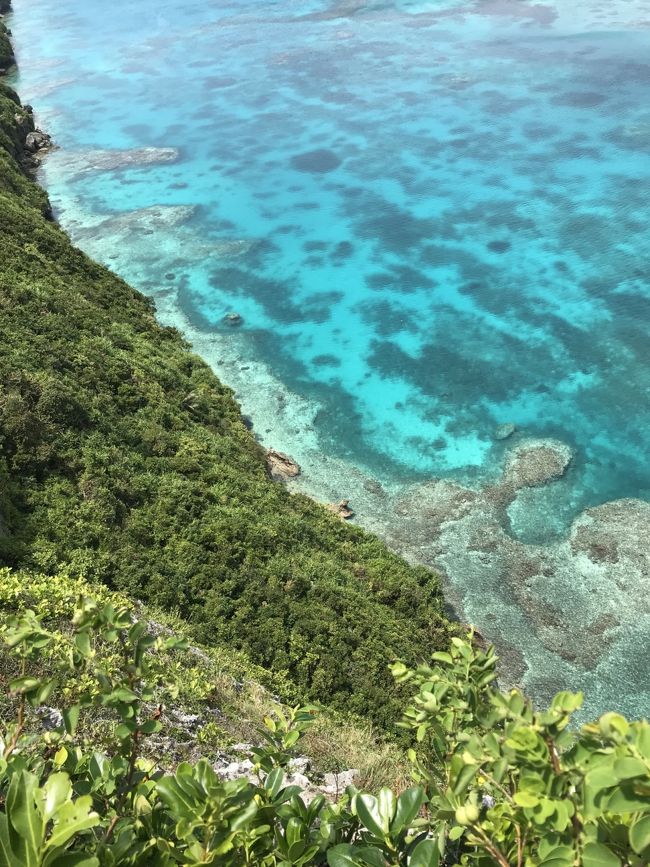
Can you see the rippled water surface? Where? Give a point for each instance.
(433, 219)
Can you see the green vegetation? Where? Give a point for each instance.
(494, 783)
(220, 699)
(7, 59)
(123, 459)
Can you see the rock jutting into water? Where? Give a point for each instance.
(342, 509)
(37, 141)
(281, 466)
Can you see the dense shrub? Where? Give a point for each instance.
(124, 459)
(495, 783)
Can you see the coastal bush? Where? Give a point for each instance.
(221, 697)
(495, 782)
(123, 459)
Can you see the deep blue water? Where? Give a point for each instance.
(432, 216)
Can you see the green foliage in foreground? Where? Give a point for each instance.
(223, 694)
(125, 460)
(495, 783)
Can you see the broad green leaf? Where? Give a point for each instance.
(640, 835)
(82, 641)
(71, 718)
(628, 767)
(56, 791)
(625, 800)
(24, 684)
(274, 781)
(614, 725)
(367, 809)
(386, 804)
(296, 831)
(63, 858)
(349, 855)
(558, 861)
(525, 799)
(22, 811)
(72, 817)
(425, 854)
(601, 776)
(408, 806)
(60, 757)
(598, 855)
(8, 858)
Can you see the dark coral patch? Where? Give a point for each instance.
(318, 161)
(343, 250)
(380, 280)
(326, 361)
(499, 246)
(581, 99)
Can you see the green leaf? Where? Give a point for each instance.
(179, 802)
(72, 817)
(22, 811)
(63, 858)
(8, 858)
(525, 799)
(57, 790)
(71, 718)
(274, 782)
(408, 806)
(625, 800)
(425, 854)
(558, 861)
(601, 776)
(598, 855)
(367, 809)
(640, 835)
(24, 684)
(386, 804)
(628, 767)
(296, 831)
(82, 642)
(348, 855)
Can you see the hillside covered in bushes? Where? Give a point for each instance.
(125, 460)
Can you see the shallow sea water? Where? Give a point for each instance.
(433, 220)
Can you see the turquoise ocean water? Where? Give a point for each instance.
(433, 219)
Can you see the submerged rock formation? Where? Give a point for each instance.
(80, 162)
(536, 462)
(579, 602)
